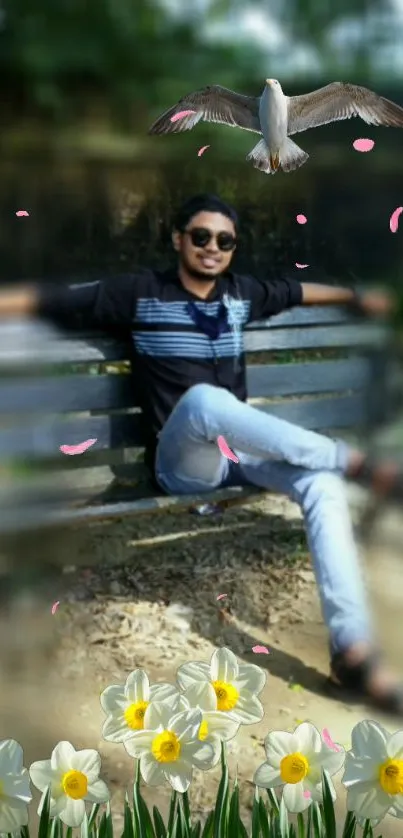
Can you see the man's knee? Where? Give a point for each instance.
(322, 487)
(203, 398)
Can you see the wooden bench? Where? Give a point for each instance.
(60, 389)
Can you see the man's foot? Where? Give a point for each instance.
(384, 478)
(359, 672)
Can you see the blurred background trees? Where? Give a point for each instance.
(82, 80)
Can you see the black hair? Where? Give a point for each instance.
(203, 203)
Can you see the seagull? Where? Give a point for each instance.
(275, 116)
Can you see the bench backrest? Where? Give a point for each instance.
(57, 389)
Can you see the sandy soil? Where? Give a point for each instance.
(142, 593)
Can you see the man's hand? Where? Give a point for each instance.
(376, 303)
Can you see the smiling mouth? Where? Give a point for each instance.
(208, 261)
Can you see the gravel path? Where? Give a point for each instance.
(143, 593)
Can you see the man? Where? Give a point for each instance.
(186, 331)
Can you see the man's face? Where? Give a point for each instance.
(207, 245)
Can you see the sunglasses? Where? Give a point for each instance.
(199, 237)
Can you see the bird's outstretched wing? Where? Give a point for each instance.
(211, 104)
(340, 100)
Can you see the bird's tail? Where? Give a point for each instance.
(260, 157)
(289, 157)
(292, 156)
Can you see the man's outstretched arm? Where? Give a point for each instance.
(19, 302)
(102, 304)
(369, 302)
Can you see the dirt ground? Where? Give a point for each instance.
(143, 593)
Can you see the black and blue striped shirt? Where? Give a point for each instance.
(177, 340)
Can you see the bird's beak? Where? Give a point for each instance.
(269, 81)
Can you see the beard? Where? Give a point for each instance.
(200, 275)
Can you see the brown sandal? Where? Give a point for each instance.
(389, 484)
(351, 682)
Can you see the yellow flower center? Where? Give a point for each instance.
(166, 746)
(391, 776)
(203, 730)
(227, 695)
(293, 768)
(134, 715)
(75, 784)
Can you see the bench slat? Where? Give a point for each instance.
(317, 337)
(278, 333)
(44, 440)
(306, 316)
(108, 392)
(34, 518)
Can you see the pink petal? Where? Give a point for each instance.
(260, 650)
(302, 219)
(299, 265)
(202, 149)
(77, 449)
(328, 740)
(54, 607)
(180, 115)
(394, 219)
(363, 145)
(22, 212)
(221, 596)
(225, 450)
(307, 794)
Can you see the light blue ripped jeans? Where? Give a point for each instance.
(282, 457)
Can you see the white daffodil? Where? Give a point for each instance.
(125, 705)
(296, 761)
(15, 792)
(73, 778)
(215, 727)
(374, 772)
(169, 746)
(234, 686)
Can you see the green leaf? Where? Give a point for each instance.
(264, 819)
(102, 831)
(300, 825)
(94, 812)
(109, 824)
(84, 827)
(350, 826)
(182, 821)
(176, 829)
(54, 831)
(221, 812)
(44, 819)
(233, 817)
(208, 826)
(284, 826)
(255, 815)
(139, 829)
(159, 826)
(309, 823)
(172, 810)
(367, 831)
(328, 807)
(186, 815)
(273, 802)
(128, 829)
(146, 817)
(317, 821)
(196, 831)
